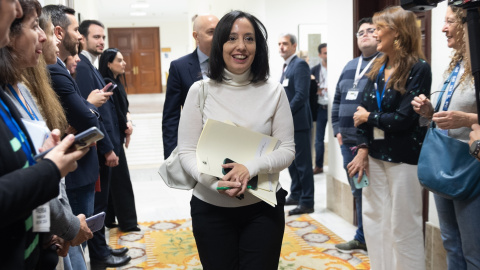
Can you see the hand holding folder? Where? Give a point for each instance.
(220, 140)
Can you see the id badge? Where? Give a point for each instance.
(41, 218)
(378, 134)
(285, 83)
(352, 94)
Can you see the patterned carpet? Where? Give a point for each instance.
(307, 245)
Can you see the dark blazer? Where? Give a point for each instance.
(298, 92)
(81, 115)
(182, 74)
(88, 79)
(315, 71)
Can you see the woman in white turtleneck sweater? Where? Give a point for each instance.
(233, 233)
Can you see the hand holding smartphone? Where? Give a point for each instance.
(82, 140)
(111, 88)
(363, 182)
(96, 222)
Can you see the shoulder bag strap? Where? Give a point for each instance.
(202, 95)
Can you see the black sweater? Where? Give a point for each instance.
(403, 135)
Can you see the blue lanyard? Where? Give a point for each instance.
(451, 87)
(380, 97)
(17, 132)
(14, 93)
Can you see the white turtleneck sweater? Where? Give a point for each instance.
(262, 107)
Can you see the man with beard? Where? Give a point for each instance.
(88, 78)
(81, 115)
(348, 95)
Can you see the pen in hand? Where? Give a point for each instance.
(225, 188)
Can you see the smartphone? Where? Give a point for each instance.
(87, 137)
(82, 140)
(95, 222)
(111, 87)
(363, 183)
(252, 182)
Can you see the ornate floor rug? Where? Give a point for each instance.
(307, 245)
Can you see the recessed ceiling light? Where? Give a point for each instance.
(138, 13)
(140, 5)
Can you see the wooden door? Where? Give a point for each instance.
(141, 50)
(366, 8)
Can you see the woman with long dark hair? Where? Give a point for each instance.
(121, 202)
(389, 142)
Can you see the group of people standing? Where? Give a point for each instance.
(45, 213)
(380, 106)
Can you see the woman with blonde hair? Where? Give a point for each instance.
(458, 112)
(389, 142)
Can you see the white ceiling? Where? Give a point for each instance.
(158, 10)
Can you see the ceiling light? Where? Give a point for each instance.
(138, 13)
(140, 5)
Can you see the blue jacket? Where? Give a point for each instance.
(298, 91)
(182, 74)
(81, 117)
(88, 79)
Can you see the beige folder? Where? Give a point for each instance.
(221, 140)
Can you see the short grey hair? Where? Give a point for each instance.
(292, 37)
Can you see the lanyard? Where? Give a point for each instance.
(359, 75)
(17, 132)
(32, 115)
(447, 82)
(380, 97)
(451, 86)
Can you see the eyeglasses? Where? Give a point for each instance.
(362, 33)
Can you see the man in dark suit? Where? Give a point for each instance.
(81, 115)
(296, 81)
(88, 78)
(320, 73)
(182, 74)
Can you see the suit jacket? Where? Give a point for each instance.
(315, 71)
(81, 115)
(88, 79)
(298, 91)
(182, 74)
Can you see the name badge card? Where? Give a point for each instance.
(378, 134)
(285, 83)
(352, 94)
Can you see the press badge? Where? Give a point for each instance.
(352, 94)
(41, 218)
(378, 134)
(285, 83)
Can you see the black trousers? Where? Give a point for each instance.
(97, 246)
(246, 238)
(121, 201)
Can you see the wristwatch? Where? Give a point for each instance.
(475, 149)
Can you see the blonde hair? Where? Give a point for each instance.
(37, 80)
(461, 54)
(407, 46)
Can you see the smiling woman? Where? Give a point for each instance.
(238, 90)
(389, 141)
